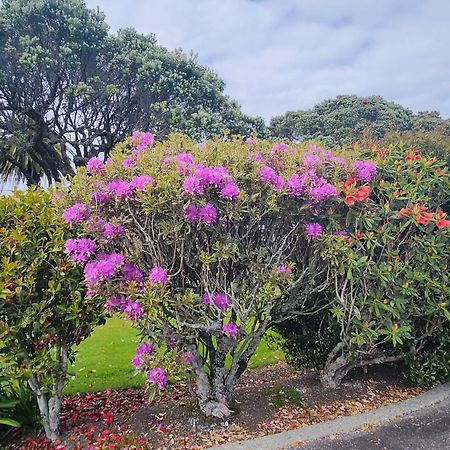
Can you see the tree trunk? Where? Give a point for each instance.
(50, 407)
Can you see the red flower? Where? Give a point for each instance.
(403, 212)
(424, 218)
(362, 193)
(359, 235)
(440, 221)
(350, 200)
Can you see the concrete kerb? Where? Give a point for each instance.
(343, 424)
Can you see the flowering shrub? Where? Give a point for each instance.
(392, 284)
(212, 246)
(43, 311)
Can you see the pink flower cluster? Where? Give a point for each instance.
(131, 273)
(80, 250)
(157, 376)
(141, 140)
(140, 182)
(365, 170)
(205, 214)
(269, 176)
(202, 177)
(103, 268)
(284, 271)
(95, 166)
(231, 329)
(131, 308)
(76, 213)
(158, 275)
(143, 350)
(111, 230)
(220, 299)
(313, 230)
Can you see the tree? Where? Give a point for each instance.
(343, 120)
(204, 247)
(69, 91)
(44, 311)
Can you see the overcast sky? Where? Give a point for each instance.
(280, 55)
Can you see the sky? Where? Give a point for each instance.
(283, 55)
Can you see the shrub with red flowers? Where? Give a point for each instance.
(43, 309)
(392, 282)
(205, 246)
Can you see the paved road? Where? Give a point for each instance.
(428, 429)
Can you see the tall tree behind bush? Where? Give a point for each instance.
(69, 92)
(43, 308)
(343, 120)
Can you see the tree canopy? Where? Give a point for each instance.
(348, 118)
(70, 91)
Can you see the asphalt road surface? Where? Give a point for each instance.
(427, 429)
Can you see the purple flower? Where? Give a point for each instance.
(128, 162)
(158, 275)
(191, 213)
(230, 328)
(111, 230)
(230, 190)
(365, 170)
(131, 273)
(158, 377)
(184, 161)
(102, 196)
(188, 357)
(120, 188)
(104, 267)
(269, 176)
(322, 192)
(284, 271)
(206, 298)
(311, 161)
(75, 213)
(313, 230)
(132, 309)
(295, 185)
(139, 182)
(145, 349)
(171, 342)
(80, 250)
(95, 166)
(207, 214)
(113, 303)
(192, 185)
(341, 233)
(142, 140)
(221, 300)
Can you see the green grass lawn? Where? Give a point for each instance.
(104, 359)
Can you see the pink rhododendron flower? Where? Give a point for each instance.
(95, 166)
(322, 192)
(313, 230)
(158, 377)
(139, 182)
(295, 185)
(206, 298)
(230, 328)
(191, 213)
(311, 160)
(142, 140)
(75, 213)
(132, 309)
(80, 250)
(102, 196)
(284, 271)
(221, 300)
(269, 176)
(185, 161)
(192, 186)
(207, 214)
(120, 188)
(111, 230)
(158, 275)
(103, 268)
(365, 170)
(230, 190)
(113, 303)
(188, 357)
(128, 162)
(131, 273)
(144, 349)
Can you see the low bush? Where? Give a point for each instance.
(43, 309)
(205, 247)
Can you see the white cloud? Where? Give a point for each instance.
(279, 55)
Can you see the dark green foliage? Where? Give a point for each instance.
(432, 365)
(307, 340)
(68, 88)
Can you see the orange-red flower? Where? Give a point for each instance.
(362, 193)
(441, 222)
(350, 200)
(424, 218)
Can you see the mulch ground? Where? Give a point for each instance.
(126, 420)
